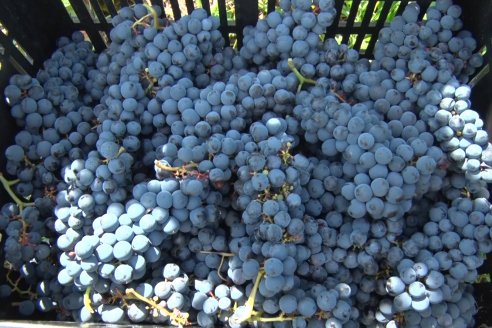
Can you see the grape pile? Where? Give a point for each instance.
(172, 179)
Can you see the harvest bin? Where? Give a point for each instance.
(29, 29)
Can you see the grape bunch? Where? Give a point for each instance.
(172, 179)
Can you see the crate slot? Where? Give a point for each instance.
(190, 6)
(362, 40)
(3, 29)
(176, 9)
(402, 5)
(480, 75)
(108, 7)
(119, 3)
(264, 8)
(223, 18)
(271, 5)
(366, 40)
(361, 11)
(167, 11)
(10, 49)
(90, 9)
(100, 11)
(70, 11)
(233, 38)
(22, 51)
(104, 37)
(395, 5)
(345, 10)
(338, 38)
(15, 64)
(378, 8)
(483, 50)
(424, 17)
(205, 4)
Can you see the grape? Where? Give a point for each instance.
(420, 305)
(14, 153)
(26, 308)
(416, 290)
(402, 301)
(112, 314)
(326, 300)
(306, 306)
(122, 250)
(395, 286)
(211, 306)
(258, 177)
(171, 271)
(123, 273)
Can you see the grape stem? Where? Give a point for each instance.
(223, 255)
(7, 185)
(250, 313)
(154, 15)
(339, 97)
(177, 317)
(87, 300)
(299, 76)
(218, 253)
(281, 317)
(15, 286)
(174, 169)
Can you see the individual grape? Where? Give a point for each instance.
(326, 300)
(363, 192)
(417, 290)
(383, 155)
(420, 305)
(122, 250)
(123, 273)
(175, 301)
(137, 313)
(306, 306)
(14, 153)
(380, 187)
(395, 286)
(211, 306)
(250, 268)
(112, 314)
(26, 308)
(109, 149)
(402, 302)
(171, 271)
(366, 140)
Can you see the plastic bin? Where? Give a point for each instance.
(29, 28)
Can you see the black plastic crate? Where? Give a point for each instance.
(29, 29)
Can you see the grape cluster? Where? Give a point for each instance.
(172, 179)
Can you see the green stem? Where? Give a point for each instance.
(87, 300)
(154, 15)
(179, 318)
(251, 299)
(272, 319)
(138, 21)
(299, 76)
(218, 253)
(7, 185)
